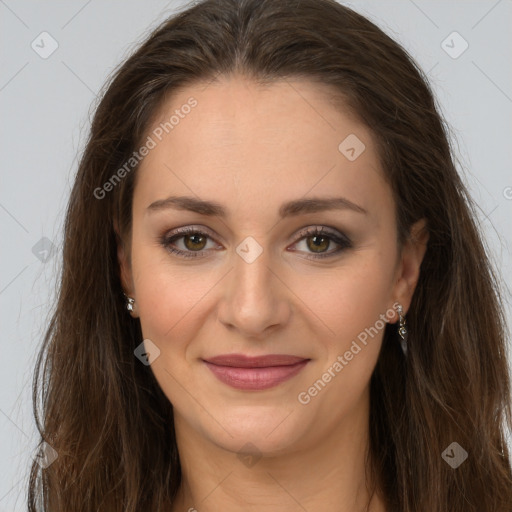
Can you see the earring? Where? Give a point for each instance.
(402, 329)
(129, 302)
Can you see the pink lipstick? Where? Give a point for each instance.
(255, 373)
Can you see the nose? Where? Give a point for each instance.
(255, 300)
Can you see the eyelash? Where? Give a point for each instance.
(166, 241)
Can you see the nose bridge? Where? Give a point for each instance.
(252, 273)
(254, 300)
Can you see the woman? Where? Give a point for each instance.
(274, 293)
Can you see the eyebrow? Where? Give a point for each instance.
(288, 209)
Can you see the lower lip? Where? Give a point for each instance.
(255, 378)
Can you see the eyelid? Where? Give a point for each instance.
(336, 236)
(301, 233)
(192, 228)
(324, 229)
(180, 232)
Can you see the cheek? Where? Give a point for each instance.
(176, 305)
(353, 310)
(172, 313)
(170, 301)
(350, 298)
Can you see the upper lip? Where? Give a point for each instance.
(243, 361)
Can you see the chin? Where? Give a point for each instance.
(272, 430)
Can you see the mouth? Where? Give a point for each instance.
(255, 373)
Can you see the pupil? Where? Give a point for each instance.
(193, 239)
(317, 241)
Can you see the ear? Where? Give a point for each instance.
(125, 272)
(408, 268)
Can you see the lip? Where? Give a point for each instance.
(255, 373)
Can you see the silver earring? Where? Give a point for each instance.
(129, 303)
(402, 329)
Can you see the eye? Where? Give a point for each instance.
(194, 242)
(318, 239)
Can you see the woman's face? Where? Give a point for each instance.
(255, 280)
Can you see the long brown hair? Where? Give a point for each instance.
(104, 413)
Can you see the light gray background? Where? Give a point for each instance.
(45, 106)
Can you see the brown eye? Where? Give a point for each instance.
(318, 243)
(194, 242)
(187, 242)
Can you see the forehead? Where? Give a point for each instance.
(243, 140)
(233, 110)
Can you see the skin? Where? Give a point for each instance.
(251, 148)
